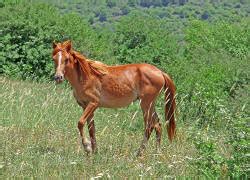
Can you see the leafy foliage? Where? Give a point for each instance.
(233, 39)
(28, 33)
(147, 41)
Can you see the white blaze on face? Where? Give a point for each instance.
(59, 59)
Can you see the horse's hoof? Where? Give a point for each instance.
(139, 153)
(158, 151)
(87, 147)
(95, 151)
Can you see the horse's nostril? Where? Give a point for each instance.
(56, 78)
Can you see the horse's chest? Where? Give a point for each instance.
(80, 97)
(86, 94)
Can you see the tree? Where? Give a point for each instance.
(132, 3)
(165, 2)
(111, 3)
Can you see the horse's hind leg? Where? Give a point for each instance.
(158, 131)
(147, 105)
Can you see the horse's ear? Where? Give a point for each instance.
(67, 45)
(54, 44)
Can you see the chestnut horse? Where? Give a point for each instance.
(98, 85)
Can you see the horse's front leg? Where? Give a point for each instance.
(88, 112)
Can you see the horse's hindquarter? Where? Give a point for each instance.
(124, 84)
(151, 80)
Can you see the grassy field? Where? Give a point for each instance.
(40, 138)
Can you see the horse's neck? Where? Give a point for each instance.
(76, 77)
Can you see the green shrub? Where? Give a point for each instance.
(139, 38)
(26, 40)
(231, 38)
(28, 32)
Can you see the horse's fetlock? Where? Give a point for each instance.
(80, 125)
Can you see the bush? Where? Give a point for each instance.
(28, 32)
(231, 38)
(144, 40)
(26, 41)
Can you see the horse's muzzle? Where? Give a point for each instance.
(58, 78)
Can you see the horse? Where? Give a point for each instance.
(97, 85)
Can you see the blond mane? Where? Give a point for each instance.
(95, 67)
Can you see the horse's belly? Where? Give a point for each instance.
(111, 101)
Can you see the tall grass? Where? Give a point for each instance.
(40, 139)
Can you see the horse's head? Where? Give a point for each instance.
(61, 56)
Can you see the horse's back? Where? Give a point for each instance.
(137, 65)
(138, 72)
(138, 68)
(137, 76)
